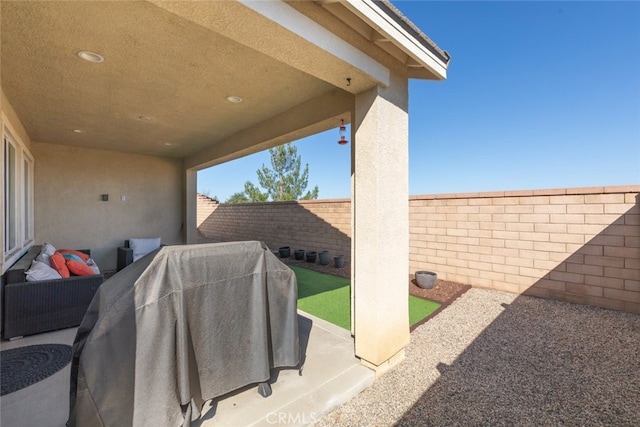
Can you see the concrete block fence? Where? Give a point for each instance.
(311, 225)
(580, 245)
(206, 206)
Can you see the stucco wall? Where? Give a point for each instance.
(69, 212)
(311, 225)
(580, 245)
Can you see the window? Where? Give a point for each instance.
(9, 196)
(27, 195)
(18, 199)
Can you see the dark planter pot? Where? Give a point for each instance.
(325, 258)
(299, 254)
(285, 252)
(426, 279)
(339, 261)
(311, 256)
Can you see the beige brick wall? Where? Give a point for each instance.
(311, 225)
(206, 206)
(580, 244)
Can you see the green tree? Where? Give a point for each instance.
(283, 181)
(238, 198)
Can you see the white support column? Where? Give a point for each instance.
(380, 226)
(190, 206)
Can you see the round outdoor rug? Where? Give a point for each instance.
(21, 367)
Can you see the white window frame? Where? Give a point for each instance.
(23, 201)
(27, 200)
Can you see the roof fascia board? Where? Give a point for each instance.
(299, 24)
(381, 22)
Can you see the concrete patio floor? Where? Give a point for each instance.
(330, 377)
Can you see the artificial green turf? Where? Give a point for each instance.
(324, 296)
(328, 297)
(420, 308)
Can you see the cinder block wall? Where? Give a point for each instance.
(206, 206)
(579, 245)
(311, 225)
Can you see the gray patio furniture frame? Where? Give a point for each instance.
(46, 305)
(125, 255)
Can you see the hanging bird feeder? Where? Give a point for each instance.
(343, 134)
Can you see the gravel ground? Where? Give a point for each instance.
(493, 358)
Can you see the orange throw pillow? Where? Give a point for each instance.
(82, 255)
(59, 264)
(79, 268)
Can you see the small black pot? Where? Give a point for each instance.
(285, 252)
(311, 256)
(324, 258)
(339, 261)
(299, 254)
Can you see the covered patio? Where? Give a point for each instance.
(109, 109)
(330, 377)
(490, 356)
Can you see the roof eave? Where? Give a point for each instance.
(389, 22)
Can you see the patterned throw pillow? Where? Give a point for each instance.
(67, 257)
(83, 257)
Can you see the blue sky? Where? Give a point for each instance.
(539, 95)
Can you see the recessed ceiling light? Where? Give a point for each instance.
(145, 118)
(78, 131)
(90, 56)
(234, 99)
(167, 144)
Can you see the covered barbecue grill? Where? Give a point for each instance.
(181, 326)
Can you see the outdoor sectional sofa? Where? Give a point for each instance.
(46, 305)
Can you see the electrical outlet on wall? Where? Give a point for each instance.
(123, 197)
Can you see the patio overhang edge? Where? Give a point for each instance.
(302, 26)
(382, 21)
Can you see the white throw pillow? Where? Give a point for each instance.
(141, 247)
(45, 253)
(44, 258)
(48, 249)
(92, 265)
(41, 271)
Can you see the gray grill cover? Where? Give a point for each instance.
(182, 325)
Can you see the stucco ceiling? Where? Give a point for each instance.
(176, 73)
